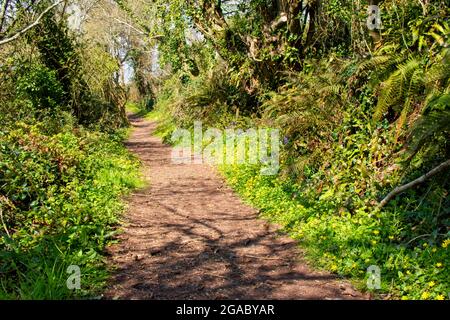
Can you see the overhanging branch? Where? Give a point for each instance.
(29, 27)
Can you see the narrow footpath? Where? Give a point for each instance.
(188, 236)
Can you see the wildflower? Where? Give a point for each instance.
(374, 242)
(425, 245)
(440, 297)
(376, 232)
(431, 284)
(425, 295)
(445, 243)
(439, 264)
(391, 237)
(433, 250)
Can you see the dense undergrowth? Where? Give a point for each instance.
(63, 166)
(60, 197)
(347, 243)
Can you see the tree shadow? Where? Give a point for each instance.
(190, 237)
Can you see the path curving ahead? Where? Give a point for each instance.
(188, 236)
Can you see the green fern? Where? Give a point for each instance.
(432, 131)
(308, 109)
(405, 82)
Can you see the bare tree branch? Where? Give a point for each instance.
(129, 25)
(29, 27)
(413, 183)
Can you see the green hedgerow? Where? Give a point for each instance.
(60, 201)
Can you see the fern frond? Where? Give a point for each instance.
(375, 63)
(402, 84)
(438, 102)
(429, 127)
(438, 75)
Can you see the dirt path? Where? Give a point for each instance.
(188, 236)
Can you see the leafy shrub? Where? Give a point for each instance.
(40, 85)
(60, 200)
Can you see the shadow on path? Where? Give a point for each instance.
(188, 236)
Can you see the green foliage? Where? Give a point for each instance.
(347, 243)
(431, 133)
(406, 81)
(60, 202)
(40, 86)
(59, 190)
(60, 183)
(307, 110)
(212, 97)
(57, 49)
